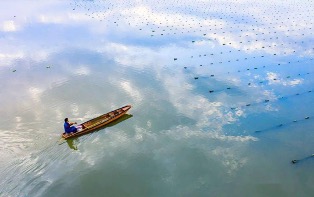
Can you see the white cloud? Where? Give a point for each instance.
(9, 26)
(132, 91)
(35, 93)
(181, 132)
(274, 78)
(294, 82)
(75, 109)
(82, 70)
(7, 58)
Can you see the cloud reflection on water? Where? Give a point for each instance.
(81, 59)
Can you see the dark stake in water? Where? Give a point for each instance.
(221, 95)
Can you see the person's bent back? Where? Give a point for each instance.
(68, 126)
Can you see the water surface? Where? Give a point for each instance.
(221, 95)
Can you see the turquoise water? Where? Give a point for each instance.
(221, 94)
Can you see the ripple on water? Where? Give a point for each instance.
(36, 170)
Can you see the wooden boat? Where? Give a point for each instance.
(98, 122)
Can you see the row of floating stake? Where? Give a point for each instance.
(260, 82)
(283, 124)
(14, 70)
(303, 159)
(212, 54)
(267, 100)
(256, 68)
(287, 77)
(173, 28)
(249, 84)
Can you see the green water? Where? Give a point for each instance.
(221, 94)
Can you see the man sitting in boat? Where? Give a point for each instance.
(68, 128)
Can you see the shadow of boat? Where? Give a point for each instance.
(72, 142)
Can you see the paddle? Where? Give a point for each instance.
(299, 160)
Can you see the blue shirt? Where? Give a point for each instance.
(67, 127)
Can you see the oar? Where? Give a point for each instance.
(298, 160)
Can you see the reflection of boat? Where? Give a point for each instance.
(98, 122)
(72, 144)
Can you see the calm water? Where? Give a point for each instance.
(222, 95)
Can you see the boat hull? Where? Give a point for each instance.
(98, 122)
